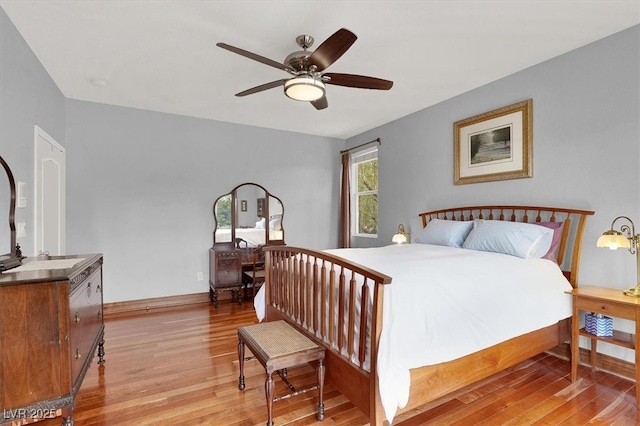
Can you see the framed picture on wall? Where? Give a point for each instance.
(495, 145)
(243, 205)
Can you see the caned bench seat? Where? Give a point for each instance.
(278, 346)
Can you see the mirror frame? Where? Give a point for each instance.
(14, 258)
(233, 192)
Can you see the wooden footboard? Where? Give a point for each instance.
(331, 299)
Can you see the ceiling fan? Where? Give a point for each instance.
(308, 79)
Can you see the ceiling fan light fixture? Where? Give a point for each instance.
(304, 88)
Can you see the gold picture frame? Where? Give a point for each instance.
(495, 145)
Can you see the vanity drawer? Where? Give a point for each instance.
(226, 268)
(85, 310)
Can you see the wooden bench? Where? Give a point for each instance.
(278, 346)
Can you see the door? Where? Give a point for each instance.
(49, 195)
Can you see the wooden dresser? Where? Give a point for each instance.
(50, 327)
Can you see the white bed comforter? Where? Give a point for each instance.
(459, 301)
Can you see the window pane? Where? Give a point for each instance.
(368, 176)
(365, 193)
(368, 214)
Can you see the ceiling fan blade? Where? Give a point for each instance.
(358, 81)
(320, 103)
(262, 87)
(253, 56)
(332, 49)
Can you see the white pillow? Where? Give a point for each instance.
(260, 224)
(524, 240)
(445, 232)
(275, 224)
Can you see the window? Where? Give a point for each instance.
(364, 193)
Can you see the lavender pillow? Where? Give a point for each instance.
(555, 242)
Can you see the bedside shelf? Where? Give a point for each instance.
(620, 338)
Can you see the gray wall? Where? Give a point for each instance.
(28, 97)
(586, 150)
(141, 185)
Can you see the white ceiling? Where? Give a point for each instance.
(161, 55)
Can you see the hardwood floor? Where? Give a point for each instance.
(179, 367)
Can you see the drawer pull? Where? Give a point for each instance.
(76, 317)
(78, 353)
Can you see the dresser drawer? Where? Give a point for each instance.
(607, 308)
(85, 310)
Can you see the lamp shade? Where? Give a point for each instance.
(613, 240)
(304, 88)
(399, 238)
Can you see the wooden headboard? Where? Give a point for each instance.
(572, 231)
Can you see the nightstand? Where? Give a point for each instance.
(611, 302)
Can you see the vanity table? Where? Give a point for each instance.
(50, 327)
(246, 219)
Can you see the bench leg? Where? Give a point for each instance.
(241, 362)
(321, 390)
(268, 387)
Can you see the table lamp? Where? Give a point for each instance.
(626, 238)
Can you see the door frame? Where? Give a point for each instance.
(39, 133)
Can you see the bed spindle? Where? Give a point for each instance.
(308, 307)
(292, 285)
(351, 324)
(303, 291)
(323, 300)
(364, 309)
(315, 296)
(332, 306)
(341, 297)
(563, 241)
(292, 282)
(286, 289)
